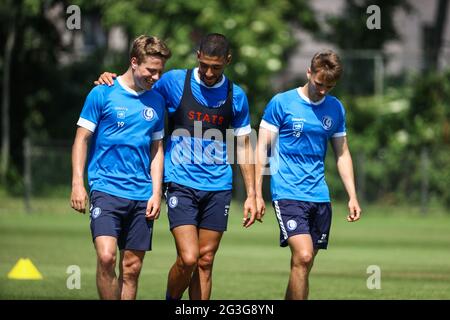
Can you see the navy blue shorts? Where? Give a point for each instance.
(204, 209)
(301, 217)
(123, 219)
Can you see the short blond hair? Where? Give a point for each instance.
(144, 46)
(328, 63)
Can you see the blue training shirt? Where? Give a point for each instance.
(304, 128)
(124, 123)
(201, 163)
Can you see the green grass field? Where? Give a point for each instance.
(412, 251)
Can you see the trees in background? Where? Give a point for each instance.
(42, 97)
(400, 139)
(260, 32)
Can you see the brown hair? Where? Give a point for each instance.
(327, 62)
(144, 46)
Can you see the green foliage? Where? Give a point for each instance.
(388, 136)
(13, 184)
(348, 32)
(353, 22)
(430, 127)
(430, 112)
(260, 33)
(46, 97)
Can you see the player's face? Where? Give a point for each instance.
(148, 72)
(318, 85)
(210, 69)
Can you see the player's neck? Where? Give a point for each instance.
(305, 91)
(128, 80)
(198, 76)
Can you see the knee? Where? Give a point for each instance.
(132, 268)
(303, 259)
(188, 261)
(106, 260)
(206, 260)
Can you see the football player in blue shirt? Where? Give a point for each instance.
(296, 127)
(202, 103)
(124, 124)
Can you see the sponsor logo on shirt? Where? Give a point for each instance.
(120, 114)
(297, 128)
(205, 117)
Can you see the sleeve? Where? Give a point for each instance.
(159, 85)
(273, 116)
(158, 133)
(241, 113)
(92, 109)
(340, 128)
(170, 86)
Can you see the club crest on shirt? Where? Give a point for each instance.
(148, 113)
(327, 122)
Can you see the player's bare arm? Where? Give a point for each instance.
(245, 157)
(265, 138)
(156, 171)
(345, 168)
(79, 195)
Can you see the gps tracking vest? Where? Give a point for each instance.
(190, 111)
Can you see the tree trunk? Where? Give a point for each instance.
(433, 36)
(6, 101)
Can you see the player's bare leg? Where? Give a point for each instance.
(130, 267)
(302, 259)
(107, 284)
(186, 241)
(201, 282)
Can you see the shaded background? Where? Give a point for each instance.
(395, 88)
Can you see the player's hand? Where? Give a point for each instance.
(354, 210)
(79, 198)
(249, 212)
(106, 78)
(260, 208)
(153, 207)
